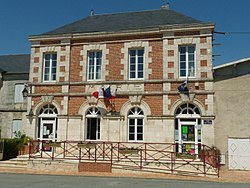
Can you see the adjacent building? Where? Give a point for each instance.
(14, 74)
(232, 123)
(134, 63)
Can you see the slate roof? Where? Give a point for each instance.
(126, 21)
(15, 63)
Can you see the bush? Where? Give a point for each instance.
(10, 148)
(13, 145)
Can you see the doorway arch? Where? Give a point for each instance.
(47, 123)
(93, 124)
(188, 130)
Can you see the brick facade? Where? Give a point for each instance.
(156, 93)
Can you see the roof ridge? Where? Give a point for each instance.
(142, 11)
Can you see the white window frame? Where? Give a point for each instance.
(137, 114)
(50, 79)
(187, 62)
(94, 113)
(94, 73)
(136, 64)
(18, 93)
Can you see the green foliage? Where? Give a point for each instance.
(10, 148)
(12, 145)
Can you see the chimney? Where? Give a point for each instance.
(165, 7)
(92, 12)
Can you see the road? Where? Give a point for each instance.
(59, 181)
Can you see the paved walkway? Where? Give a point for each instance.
(225, 175)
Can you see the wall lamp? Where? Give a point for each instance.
(26, 91)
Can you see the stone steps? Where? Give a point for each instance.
(15, 163)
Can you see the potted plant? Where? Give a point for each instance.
(23, 142)
(211, 155)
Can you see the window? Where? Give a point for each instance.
(18, 93)
(135, 124)
(187, 108)
(50, 62)
(136, 63)
(16, 127)
(187, 61)
(47, 123)
(93, 124)
(94, 65)
(48, 109)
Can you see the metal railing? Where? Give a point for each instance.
(153, 157)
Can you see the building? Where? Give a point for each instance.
(144, 56)
(14, 74)
(232, 123)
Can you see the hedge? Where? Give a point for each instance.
(11, 148)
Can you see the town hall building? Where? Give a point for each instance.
(151, 72)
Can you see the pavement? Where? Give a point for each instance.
(225, 175)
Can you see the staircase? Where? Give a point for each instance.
(19, 163)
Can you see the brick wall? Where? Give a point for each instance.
(153, 87)
(119, 102)
(187, 33)
(75, 67)
(173, 99)
(202, 99)
(155, 103)
(94, 167)
(48, 89)
(157, 60)
(59, 101)
(114, 58)
(77, 89)
(35, 101)
(75, 104)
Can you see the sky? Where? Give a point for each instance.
(20, 19)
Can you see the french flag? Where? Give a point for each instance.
(99, 94)
(105, 93)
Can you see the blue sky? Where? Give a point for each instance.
(21, 18)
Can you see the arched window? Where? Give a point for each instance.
(93, 123)
(48, 109)
(187, 108)
(135, 124)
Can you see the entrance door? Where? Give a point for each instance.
(188, 139)
(48, 130)
(93, 128)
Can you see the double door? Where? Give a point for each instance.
(48, 130)
(189, 137)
